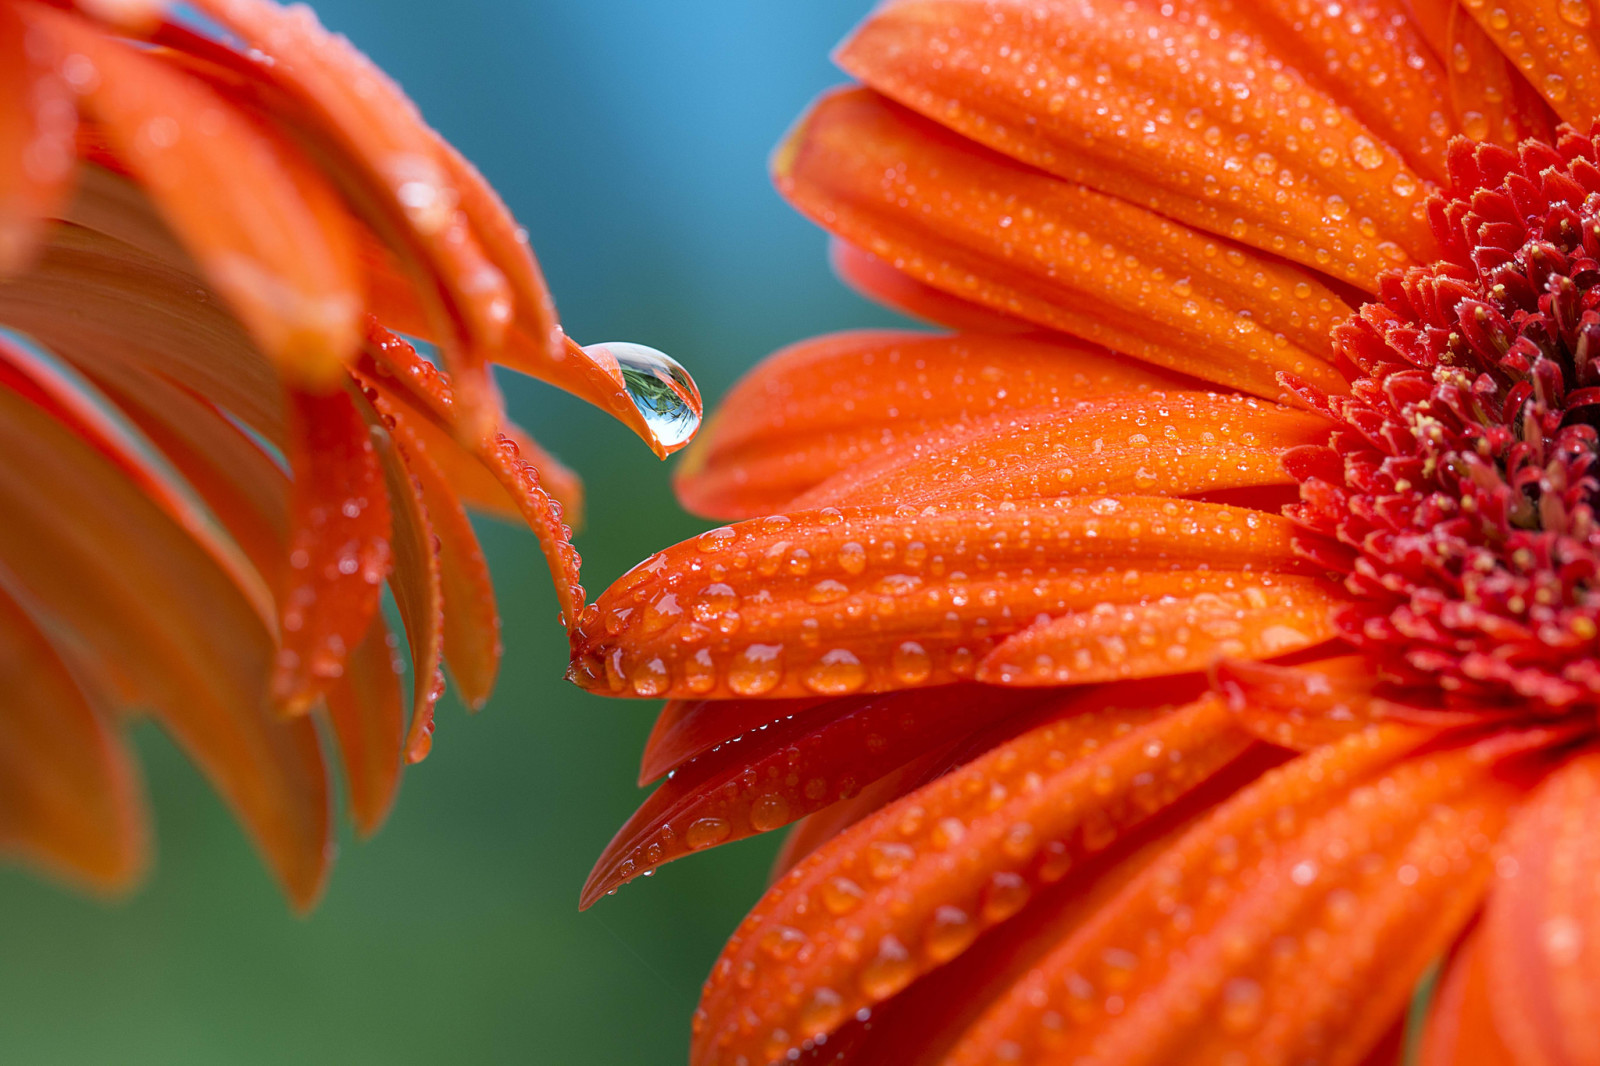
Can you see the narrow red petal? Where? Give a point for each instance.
(339, 551)
(367, 713)
(866, 599)
(830, 403)
(764, 779)
(686, 728)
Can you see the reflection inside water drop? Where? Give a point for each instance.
(662, 390)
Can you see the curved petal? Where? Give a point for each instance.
(1161, 107)
(1541, 930)
(1552, 48)
(1306, 908)
(70, 798)
(880, 281)
(368, 717)
(909, 888)
(830, 403)
(1056, 253)
(866, 599)
(267, 230)
(1460, 1029)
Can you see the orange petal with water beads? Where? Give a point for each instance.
(765, 779)
(1290, 925)
(367, 713)
(1542, 925)
(418, 593)
(269, 233)
(1493, 100)
(37, 121)
(390, 366)
(867, 599)
(833, 402)
(909, 888)
(1553, 44)
(686, 728)
(70, 799)
(339, 549)
(881, 282)
(169, 626)
(1460, 1028)
(1061, 255)
(1259, 618)
(471, 623)
(1157, 442)
(815, 830)
(1300, 707)
(1196, 118)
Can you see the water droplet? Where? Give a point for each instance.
(889, 971)
(837, 673)
(911, 663)
(823, 1013)
(888, 860)
(1574, 12)
(769, 812)
(704, 832)
(782, 942)
(1241, 1005)
(951, 931)
(1368, 156)
(841, 895)
(757, 669)
(1004, 896)
(662, 390)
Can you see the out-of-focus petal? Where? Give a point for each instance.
(908, 889)
(1541, 931)
(268, 231)
(368, 717)
(866, 599)
(1460, 1028)
(996, 232)
(1307, 906)
(1198, 118)
(70, 799)
(765, 779)
(1159, 443)
(339, 549)
(418, 593)
(168, 627)
(1257, 618)
(38, 118)
(833, 402)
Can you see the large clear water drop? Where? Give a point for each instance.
(661, 389)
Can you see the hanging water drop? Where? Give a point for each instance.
(662, 390)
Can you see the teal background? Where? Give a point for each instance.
(631, 138)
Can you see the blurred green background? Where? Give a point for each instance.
(630, 137)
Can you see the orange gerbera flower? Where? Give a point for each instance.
(1177, 661)
(211, 452)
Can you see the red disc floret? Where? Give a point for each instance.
(1458, 492)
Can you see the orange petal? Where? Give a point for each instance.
(70, 799)
(833, 402)
(367, 714)
(265, 227)
(909, 888)
(1553, 44)
(867, 599)
(815, 830)
(339, 548)
(1460, 1029)
(1259, 617)
(418, 593)
(686, 728)
(38, 119)
(995, 232)
(1290, 925)
(168, 625)
(1541, 931)
(1158, 110)
(764, 779)
(880, 281)
(1494, 101)
(389, 364)
(1157, 442)
(471, 633)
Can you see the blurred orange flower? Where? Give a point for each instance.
(212, 454)
(1176, 661)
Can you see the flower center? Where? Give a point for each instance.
(1458, 492)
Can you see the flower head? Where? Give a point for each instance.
(214, 452)
(1175, 661)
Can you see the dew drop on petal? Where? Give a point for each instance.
(660, 388)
